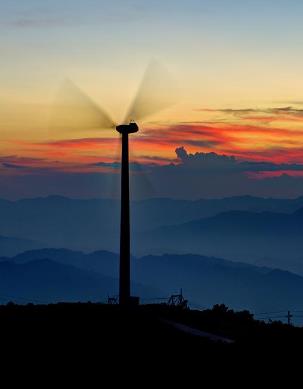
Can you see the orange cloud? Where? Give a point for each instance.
(245, 133)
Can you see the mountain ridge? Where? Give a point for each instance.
(244, 228)
(205, 281)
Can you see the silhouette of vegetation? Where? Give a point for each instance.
(90, 327)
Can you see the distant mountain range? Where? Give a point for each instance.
(44, 280)
(26, 279)
(266, 238)
(56, 275)
(12, 246)
(261, 231)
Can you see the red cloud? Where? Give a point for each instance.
(157, 144)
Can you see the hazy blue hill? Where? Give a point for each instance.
(161, 212)
(238, 235)
(93, 224)
(63, 222)
(205, 280)
(162, 209)
(45, 280)
(104, 262)
(248, 229)
(11, 246)
(59, 255)
(5, 203)
(209, 281)
(240, 223)
(298, 213)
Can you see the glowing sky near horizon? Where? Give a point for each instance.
(238, 65)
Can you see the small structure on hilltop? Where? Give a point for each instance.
(178, 300)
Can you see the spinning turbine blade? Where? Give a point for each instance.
(114, 181)
(142, 185)
(140, 179)
(75, 112)
(156, 92)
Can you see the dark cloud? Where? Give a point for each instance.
(269, 167)
(182, 153)
(117, 165)
(12, 166)
(17, 159)
(218, 161)
(18, 163)
(29, 22)
(203, 143)
(190, 176)
(111, 165)
(289, 110)
(54, 14)
(205, 160)
(291, 102)
(155, 158)
(213, 175)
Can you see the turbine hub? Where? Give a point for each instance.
(127, 128)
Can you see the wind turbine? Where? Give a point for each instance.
(78, 111)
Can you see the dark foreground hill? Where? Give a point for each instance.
(97, 337)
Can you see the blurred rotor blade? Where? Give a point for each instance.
(141, 184)
(75, 112)
(156, 92)
(114, 181)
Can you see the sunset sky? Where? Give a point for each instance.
(238, 89)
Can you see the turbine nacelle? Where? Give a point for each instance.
(127, 128)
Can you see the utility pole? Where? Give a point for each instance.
(289, 317)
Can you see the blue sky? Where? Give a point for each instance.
(51, 38)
